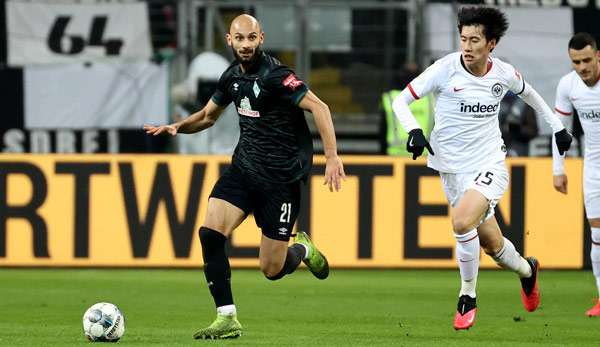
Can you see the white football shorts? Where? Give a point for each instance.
(591, 191)
(491, 181)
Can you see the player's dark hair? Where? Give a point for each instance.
(492, 20)
(582, 40)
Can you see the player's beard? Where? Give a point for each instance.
(248, 62)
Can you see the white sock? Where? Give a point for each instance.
(509, 258)
(595, 256)
(227, 310)
(467, 255)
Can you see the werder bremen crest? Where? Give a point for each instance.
(245, 108)
(256, 89)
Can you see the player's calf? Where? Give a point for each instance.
(294, 256)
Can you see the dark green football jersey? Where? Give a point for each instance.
(275, 144)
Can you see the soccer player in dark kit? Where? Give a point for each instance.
(272, 158)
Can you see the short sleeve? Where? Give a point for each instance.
(222, 97)
(284, 83)
(516, 83)
(563, 105)
(428, 81)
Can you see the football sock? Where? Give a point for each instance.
(595, 256)
(306, 249)
(295, 254)
(227, 310)
(216, 266)
(467, 255)
(509, 258)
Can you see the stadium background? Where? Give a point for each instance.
(102, 206)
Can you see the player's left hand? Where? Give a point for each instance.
(417, 143)
(563, 141)
(560, 183)
(334, 173)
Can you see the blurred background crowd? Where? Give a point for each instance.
(82, 76)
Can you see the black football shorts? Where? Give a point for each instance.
(275, 206)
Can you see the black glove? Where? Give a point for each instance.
(563, 141)
(417, 143)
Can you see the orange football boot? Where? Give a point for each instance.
(465, 313)
(594, 311)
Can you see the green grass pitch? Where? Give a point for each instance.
(41, 307)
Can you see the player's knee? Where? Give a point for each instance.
(218, 226)
(272, 270)
(461, 225)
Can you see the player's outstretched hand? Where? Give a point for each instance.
(417, 143)
(334, 173)
(563, 141)
(161, 129)
(560, 183)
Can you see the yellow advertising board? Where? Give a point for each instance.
(145, 211)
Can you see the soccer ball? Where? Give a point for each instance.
(103, 322)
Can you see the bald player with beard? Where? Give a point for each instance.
(272, 159)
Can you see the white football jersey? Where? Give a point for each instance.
(573, 93)
(466, 134)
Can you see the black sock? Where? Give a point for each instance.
(216, 266)
(294, 256)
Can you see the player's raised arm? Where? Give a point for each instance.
(195, 122)
(334, 168)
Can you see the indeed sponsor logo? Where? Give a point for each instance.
(478, 108)
(590, 115)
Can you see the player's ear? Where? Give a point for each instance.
(491, 44)
(262, 37)
(228, 38)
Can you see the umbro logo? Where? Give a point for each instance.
(283, 231)
(458, 89)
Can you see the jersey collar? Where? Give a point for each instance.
(490, 63)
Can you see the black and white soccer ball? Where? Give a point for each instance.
(103, 322)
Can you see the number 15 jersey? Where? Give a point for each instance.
(466, 134)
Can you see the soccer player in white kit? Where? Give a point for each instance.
(580, 90)
(467, 148)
